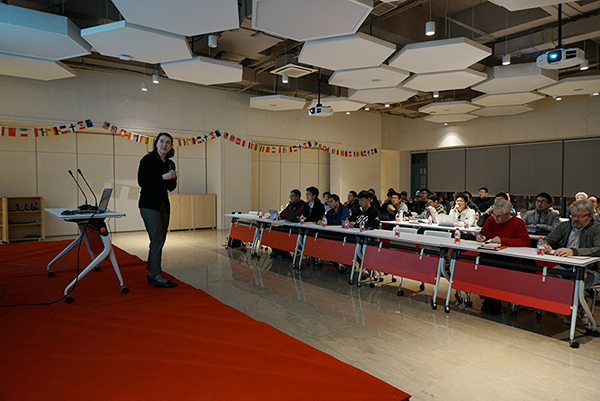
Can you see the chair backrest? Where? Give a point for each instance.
(443, 234)
(253, 213)
(408, 230)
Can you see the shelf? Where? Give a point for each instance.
(25, 211)
(25, 239)
(24, 224)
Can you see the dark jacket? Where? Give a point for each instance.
(336, 219)
(483, 204)
(419, 206)
(589, 239)
(369, 216)
(154, 188)
(293, 211)
(354, 208)
(317, 212)
(545, 220)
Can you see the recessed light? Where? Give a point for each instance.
(387, 105)
(144, 87)
(376, 80)
(594, 94)
(273, 105)
(445, 123)
(367, 108)
(347, 112)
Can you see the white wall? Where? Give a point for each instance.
(38, 166)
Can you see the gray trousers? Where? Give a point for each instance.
(157, 223)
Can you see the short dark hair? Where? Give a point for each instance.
(372, 190)
(391, 192)
(365, 195)
(461, 195)
(468, 194)
(171, 152)
(434, 197)
(353, 193)
(403, 193)
(394, 193)
(545, 195)
(424, 189)
(313, 190)
(296, 192)
(326, 193)
(334, 197)
(501, 195)
(391, 189)
(484, 188)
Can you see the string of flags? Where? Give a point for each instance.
(196, 140)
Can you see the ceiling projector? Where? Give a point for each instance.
(560, 58)
(320, 111)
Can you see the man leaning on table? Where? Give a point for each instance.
(368, 213)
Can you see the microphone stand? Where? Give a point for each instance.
(86, 205)
(91, 190)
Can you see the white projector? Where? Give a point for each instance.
(320, 111)
(560, 58)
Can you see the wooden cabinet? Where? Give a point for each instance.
(3, 221)
(23, 218)
(190, 211)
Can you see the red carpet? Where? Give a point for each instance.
(150, 344)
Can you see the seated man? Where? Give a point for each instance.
(505, 230)
(337, 212)
(374, 200)
(483, 201)
(580, 236)
(316, 210)
(421, 202)
(470, 203)
(581, 196)
(368, 213)
(326, 196)
(396, 206)
(488, 213)
(296, 208)
(543, 218)
(434, 208)
(461, 212)
(352, 203)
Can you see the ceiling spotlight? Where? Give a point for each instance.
(212, 40)
(348, 112)
(284, 78)
(367, 108)
(557, 98)
(154, 78)
(584, 66)
(387, 105)
(594, 94)
(445, 123)
(506, 59)
(436, 94)
(124, 57)
(430, 28)
(144, 87)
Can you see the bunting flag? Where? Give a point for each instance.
(37, 132)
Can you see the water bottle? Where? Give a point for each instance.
(476, 219)
(301, 219)
(397, 230)
(401, 215)
(541, 249)
(456, 236)
(466, 222)
(324, 221)
(362, 225)
(281, 209)
(346, 223)
(429, 220)
(397, 217)
(260, 214)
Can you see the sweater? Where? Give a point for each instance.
(512, 232)
(153, 188)
(370, 216)
(336, 218)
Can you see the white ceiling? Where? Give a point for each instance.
(502, 111)
(365, 78)
(203, 70)
(309, 19)
(34, 33)
(141, 43)
(450, 118)
(277, 103)
(442, 108)
(346, 52)
(507, 99)
(574, 86)
(440, 55)
(381, 95)
(33, 68)
(523, 77)
(183, 17)
(448, 80)
(339, 104)
(516, 5)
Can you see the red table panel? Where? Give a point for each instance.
(242, 232)
(326, 249)
(279, 240)
(402, 263)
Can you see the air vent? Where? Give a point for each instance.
(293, 70)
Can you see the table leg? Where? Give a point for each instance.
(437, 280)
(452, 265)
(591, 329)
(64, 252)
(228, 235)
(574, 309)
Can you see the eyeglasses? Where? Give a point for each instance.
(541, 201)
(579, 216)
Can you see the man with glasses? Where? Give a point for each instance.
(296, 208)
(483, 201)
(543, 218)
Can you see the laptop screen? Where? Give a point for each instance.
(104, 200)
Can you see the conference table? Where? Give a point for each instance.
(517, 275)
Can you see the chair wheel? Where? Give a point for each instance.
(394, 280)
(446, 309)
(422, 287)
(372, 285)
(433, 306)
(468, 304)
(50, 274)
(124, 290)
(97, 268)
(358, 284)
(400, 293)
(574, 344)
(69, 299)
(350, 282)
(381, 280)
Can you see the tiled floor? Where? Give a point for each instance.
(463, 355)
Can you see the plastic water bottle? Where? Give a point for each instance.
(301, 219)
(260, 214)
(456, 236)
(346, 223)
(429, 220)
(397, 217)
(541, 249)
(397, 230)
(324, 221)
(476, 219)
(466, 222)
(401, 215)
(362, 225)
(281, 209)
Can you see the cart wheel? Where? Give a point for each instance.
(50, 274)
(446, 309)
(400, 293)
(69, 299)
(97, 268)
(124, 290)
(422, 287)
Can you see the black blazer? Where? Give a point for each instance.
(154, 188)
(317, 212)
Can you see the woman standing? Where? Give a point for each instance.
(156, 175)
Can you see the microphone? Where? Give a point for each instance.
(91, 190)
(85, 206)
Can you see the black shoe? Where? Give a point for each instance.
(150, 279)
(166, 284)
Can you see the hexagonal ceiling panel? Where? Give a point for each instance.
(516, 78)
(441, 81)
(365, 78)
(309, 19)
(441, 108)
(450, 118)
(339, 104)
(347, 52)
(33, 68)
(138, 42)
(440, 55)
(516, 5)
(204, 71)
(574, 86)
(277, 103)
(183, 17)
(507, 99)
(33, 33)
(382, 95)
(502, 111)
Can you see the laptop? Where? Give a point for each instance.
(445, 220)
(104, 199)
(273, 215)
